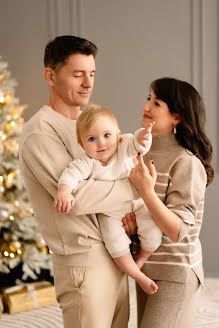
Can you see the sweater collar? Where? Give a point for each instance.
(59, 116)
(164, 143)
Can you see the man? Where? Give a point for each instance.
(91, 290)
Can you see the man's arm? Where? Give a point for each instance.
(46, 157)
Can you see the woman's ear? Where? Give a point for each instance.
(49, 76)
(177, 119)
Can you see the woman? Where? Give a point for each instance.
(181, 153)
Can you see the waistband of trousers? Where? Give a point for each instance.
(96, 253)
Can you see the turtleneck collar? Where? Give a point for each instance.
(164, 143)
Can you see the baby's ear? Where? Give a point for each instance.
(80, 143)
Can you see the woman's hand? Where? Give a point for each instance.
(143, 178)
(129, 224)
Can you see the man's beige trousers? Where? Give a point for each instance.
(92, 297)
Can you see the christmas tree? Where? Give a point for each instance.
(21, 243)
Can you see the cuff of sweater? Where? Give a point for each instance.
(139, 148)
(184, 228)
(68, 183)
(120, 253)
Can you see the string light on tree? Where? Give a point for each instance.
(20, 240)
(2, 98)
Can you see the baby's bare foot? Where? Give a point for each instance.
(153, 288)
(148, 285)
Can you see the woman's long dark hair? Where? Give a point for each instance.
(182, 98)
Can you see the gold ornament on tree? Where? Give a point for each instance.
(15, 245)
(20, 240)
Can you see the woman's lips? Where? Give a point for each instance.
(146, 116)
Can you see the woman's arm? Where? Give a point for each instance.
(144, 181)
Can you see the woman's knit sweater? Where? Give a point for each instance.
(181, 183)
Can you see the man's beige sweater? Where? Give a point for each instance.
(47, 145)
(181, 183)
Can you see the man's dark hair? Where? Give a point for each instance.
(58, 50)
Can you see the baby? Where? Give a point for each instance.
(109, 156)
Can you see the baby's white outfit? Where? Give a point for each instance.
(119, 166)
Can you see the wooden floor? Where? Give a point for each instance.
(207, 315)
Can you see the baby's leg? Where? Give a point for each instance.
(129, 266)
(149, 234)
(117, 243)
(142, 257)
(115, 239)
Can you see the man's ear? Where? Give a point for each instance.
(49, 75)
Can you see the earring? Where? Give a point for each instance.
(174, 129)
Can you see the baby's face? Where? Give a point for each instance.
(100, 141)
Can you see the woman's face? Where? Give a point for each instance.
(157, 111)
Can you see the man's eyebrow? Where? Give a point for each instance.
(82, 70)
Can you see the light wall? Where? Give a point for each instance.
(138, 41)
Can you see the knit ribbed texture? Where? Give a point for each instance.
(181, 181)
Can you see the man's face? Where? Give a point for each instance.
(73, 82)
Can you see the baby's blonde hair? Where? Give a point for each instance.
(89, 115)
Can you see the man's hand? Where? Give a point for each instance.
(144, 135)
(64, 200)
(129, 224)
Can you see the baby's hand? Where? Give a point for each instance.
(63, 201)
(144, 135)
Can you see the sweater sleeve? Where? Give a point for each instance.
(133, 146)
(46, 157)
(78, 170)
(186, 190)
